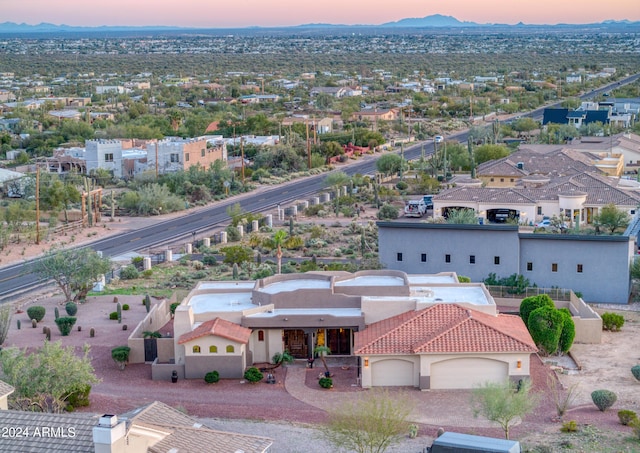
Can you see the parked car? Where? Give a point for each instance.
(450, 442)
(502, 215)
(415, 208)
(438, 139)
(428, 200)
(546, 224)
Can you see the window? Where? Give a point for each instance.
(213, 349)
(554, 267)
(260, 335)
(632, 212)
(491, 179)
(529, 266)
(108, 157)
(512, 180)
(496, 260)
(174, 158)
(186, 157)
(423, 257)
(202, 152)
(472, 259)
(230, 349)
(539, 210)
(447, 258)
(579, 268)
(501, 179)
(398, 256)
(196, 349)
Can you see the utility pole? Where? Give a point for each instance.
(308, 147)
(242, 157)
(37, 205)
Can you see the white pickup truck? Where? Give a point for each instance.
(415, 208)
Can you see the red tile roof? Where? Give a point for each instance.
(445, 328)
(220, 328)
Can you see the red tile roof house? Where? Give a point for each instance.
(420, 330)
(445, 346)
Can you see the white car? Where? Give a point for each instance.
(546, 224)
(415, 208)
(438, 139)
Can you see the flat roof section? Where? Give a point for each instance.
(442, 295)
(205, 303)
(293, 285)
(417, 280)
(372, 280)
(335, 312)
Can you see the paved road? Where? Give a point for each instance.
(20, 278)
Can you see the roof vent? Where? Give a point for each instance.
(520, 165)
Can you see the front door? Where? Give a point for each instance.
(150, 349)
(295, 341)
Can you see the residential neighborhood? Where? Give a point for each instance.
(239, 240)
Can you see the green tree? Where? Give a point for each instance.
(237, 254)
(612, 218)
(5, 321)
(44, 379)
(485, 153)
(336, 180)
(278, 240)
(280, 358)
(120, 355)
(532, 303)
(462, 216)
(323, 351)
(73, 270)
(503, 403)
(369, 424)
(545, 326)
(389, 164)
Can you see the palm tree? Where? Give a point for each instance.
(323, 351)
(278, 240)
(281, 357)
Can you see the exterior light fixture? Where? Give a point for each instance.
(519, 364)
(366, 362)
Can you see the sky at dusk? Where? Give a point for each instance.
(270, 13)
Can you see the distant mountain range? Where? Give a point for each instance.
(433, 21)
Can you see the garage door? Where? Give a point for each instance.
(392, 373)
(467, 373)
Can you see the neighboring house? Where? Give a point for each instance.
(576, 118)
(596, 266)
(579, 197)
(336, 92)
(154, 428)
(228, 326)
(375, 115)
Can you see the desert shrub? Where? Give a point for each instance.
(212, 377)
(129, 273)
(147, 273)
(125, 306)
(612, 321)
(529, 304)
(113, 315)
(172, 308)
(401, 185)
(636, 372)
(568, 332)
(388, 211)
(603, 399)
(36, 312)
(253, 375)
(65, 324)
(71, 308)
(326, 382)
(209, 260)
(626, 416)
(233, 235)
(79, 398)
(464, 279)
(635, 425)
(545, 326)
(569, 426)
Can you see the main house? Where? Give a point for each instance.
(420, 330)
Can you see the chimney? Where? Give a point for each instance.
(109, 436)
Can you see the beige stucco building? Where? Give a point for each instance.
(228, 326)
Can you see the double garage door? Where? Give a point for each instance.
(463, 373)
(466, 373)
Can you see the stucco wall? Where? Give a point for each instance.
(157, 317)
(228, 367)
